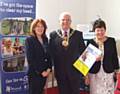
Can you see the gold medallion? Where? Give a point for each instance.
(65, 43)
(65, 39)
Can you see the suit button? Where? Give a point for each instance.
(46, 60)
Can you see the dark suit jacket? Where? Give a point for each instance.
(65, 57)
(110, 60)
(38, 57)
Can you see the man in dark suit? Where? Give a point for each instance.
(66, 46)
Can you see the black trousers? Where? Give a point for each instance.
(68, 85)
(36, 84)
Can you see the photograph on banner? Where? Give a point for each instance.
(15, 64)
(12, 46)
(87, 59)
(15, 26)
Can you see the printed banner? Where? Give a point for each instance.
(15, 19)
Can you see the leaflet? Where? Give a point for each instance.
(87, 59)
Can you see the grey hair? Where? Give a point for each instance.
(63, 14)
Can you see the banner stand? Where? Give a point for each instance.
(15, 19)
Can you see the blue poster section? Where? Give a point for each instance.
(17, 8)
(13, 65)
(15, 19)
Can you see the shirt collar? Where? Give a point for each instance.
(68, 31)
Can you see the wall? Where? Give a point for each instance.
(51, 9)
(83, 11)
(109, 10)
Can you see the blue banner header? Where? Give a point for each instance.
(17, 8)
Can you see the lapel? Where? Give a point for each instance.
(70, 35)
(59, 32)
(71, 31)
(40, 46)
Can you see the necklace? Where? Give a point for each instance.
(65, 39)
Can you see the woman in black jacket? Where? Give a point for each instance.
(101, 73)
(38, 57)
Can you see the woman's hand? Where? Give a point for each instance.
(45, 73)
(87, 80)
(99, 58)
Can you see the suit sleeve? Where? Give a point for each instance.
(31, 56)
(115, 56)
(51, 44)
(88, 42)
(82, 44)
(49, 59)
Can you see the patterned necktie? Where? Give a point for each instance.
(65, 33)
